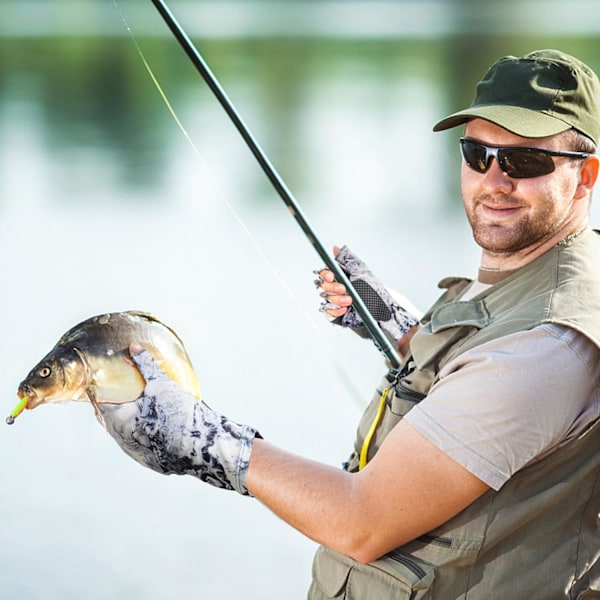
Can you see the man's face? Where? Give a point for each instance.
(509, 215)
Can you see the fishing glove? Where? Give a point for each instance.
(388, 312)
(168, 430)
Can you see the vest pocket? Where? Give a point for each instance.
(338, 577)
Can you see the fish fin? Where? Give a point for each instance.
(92, 397)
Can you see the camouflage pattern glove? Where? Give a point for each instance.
(168, 430)
(389, 314)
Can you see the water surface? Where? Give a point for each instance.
(105, 205)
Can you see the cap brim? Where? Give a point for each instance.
(517, 120)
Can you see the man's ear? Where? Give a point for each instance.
(588, 176)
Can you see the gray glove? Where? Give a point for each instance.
(168, 430)
(393, 319)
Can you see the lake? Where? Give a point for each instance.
(106, 205)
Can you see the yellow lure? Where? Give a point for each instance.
(17, 410)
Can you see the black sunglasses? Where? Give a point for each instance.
(516, 161)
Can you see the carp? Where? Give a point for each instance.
(90, 363)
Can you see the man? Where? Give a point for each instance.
(475, 472)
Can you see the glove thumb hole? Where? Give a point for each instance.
(340, 253)
(344, 257)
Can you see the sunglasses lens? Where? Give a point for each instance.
(521, 163)
(475, 155)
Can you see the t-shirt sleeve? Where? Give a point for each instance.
(510, 402)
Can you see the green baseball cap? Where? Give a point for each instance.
(540, 94)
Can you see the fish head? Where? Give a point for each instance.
(62, 375)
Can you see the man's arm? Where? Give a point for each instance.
(409, 488)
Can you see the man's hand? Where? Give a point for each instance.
(394, 314)
(169, 431)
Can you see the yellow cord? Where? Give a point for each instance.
(365, 447)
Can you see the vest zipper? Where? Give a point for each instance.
(408, 394)
(395, 378)
(440, 541)
(407, 562)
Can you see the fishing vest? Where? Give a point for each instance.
(538, 537)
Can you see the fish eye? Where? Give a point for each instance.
(45, 372)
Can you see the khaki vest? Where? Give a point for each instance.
(538, 537)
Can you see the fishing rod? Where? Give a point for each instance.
(374, 330)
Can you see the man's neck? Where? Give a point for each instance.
(493, 276)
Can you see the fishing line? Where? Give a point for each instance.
(372, 327)
(342, 372)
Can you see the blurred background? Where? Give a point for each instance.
(105, 206)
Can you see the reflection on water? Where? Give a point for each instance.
(104, 205)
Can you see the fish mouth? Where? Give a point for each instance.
(28, 395)
(28, 399)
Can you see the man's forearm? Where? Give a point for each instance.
(316, 499)
(409, 488)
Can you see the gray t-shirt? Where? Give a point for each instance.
(512, 401)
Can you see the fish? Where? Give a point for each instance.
(91, 363)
